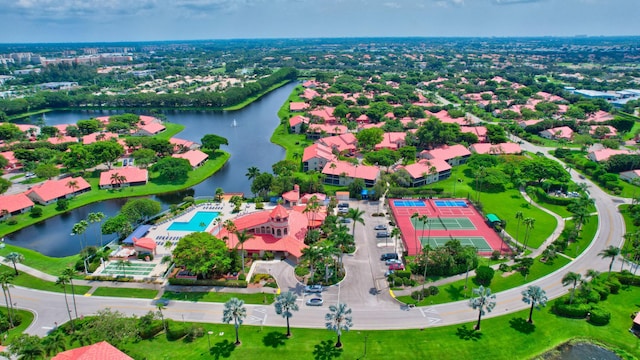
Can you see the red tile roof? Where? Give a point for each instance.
(317, 150)
(344, 142)
(325, 113)
(391, 140)
(298, 106)
(561, 132)
(99, 351)
(448, 152)
(131, 173)
(331, 129)
(497, 149)
(292, 196)
(443, 116)
(195, 157)
(16, 202)
(53, 189)
(153, 128)
(145, 243)
(605, 154)
(93, 137)
(298, 119)
(350, 170)
(279, 212)
(62, 139)
(416, 170)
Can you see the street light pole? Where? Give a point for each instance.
(209, 337)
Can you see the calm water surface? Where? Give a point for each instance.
(249, 145)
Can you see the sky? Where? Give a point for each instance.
(155, 20)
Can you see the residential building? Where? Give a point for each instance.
(296, 122)
(630, 176)
(392, 141)
(605, 154)
(428, 171)
(496, 149)
(123, 177)
(343, 173)
(98, 351)
(316, 156)
(51, 190)
(14, 205)
(196, 157)
(453, 155)
(558, 133)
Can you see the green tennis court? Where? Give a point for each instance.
(476, 241)
(133, 269)
(447, 223)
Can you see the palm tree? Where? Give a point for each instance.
(73, 185)
(432, 171)
(31, 350)
(480, 172)
(96, 217)
(355, 214)
(338, 320)
(484, 301)
(610, 252)
(252, 173)
(54, 343)
(535, 296)
(69, 272)
(63, 280)
(160, 306)
(592, 274)
(528, 224)
(15, 257)
(312, 254)
(571, 278)
(5, 280)
(242, 237)
(80, 228)
(395, 232)
(313, 206)
(219, 194)
(230, 226)
(123, 264)
(519, 216)
(286, 303)
(234, 310)
(416, 216)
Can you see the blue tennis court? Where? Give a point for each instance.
(450, 203)
(408, 203)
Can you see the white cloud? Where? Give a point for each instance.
(513, 2)
(67, 9)
(393, 5)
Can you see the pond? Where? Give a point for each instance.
(580, 351)
(248, 130)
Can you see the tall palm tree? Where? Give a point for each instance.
(484, 301)
(610, 252)
(219, 194)
(230, 226)
(69, 272)
(80, 228)
(31, 350)
(415, 216)
(96, 217)
(313, 206)
(160, 306)
(535, 296)
(519, 216)
(432, 171)
(425, 251)
(54, 343)
(63, 280)
(5, 280)
(15, 257)
(242, 237)
(338, 319)
(355, 214)
(252, 173)
(235, 311)
(312, 254)
(571, 278)
(528, 224)
(286, 303)
(395, 232)
(480, 172)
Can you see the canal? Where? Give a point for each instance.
(248, 130)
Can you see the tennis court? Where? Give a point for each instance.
(476, 241)
(444, 223)
(408, 203)
(130, 269)
(450, 203)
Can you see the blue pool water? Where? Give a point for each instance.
(406, 203)
(450, 203)
(195, 224)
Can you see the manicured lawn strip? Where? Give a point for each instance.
(292, 143)
(455, 291)
(153, 187)
(28, 281)
(170, 130)
(27, 319)
(505, 337)
(25, 115)
(126, 292)
(587, 234)
(219, 297)
(251, 99)
(50, 265)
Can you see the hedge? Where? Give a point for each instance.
(405, 274)
(176, 331)
(544, 197)
(151, 331)
(627, 278)
(599, 316)
(209, 282)
(108, 278)
(574, 311)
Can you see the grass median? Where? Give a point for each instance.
(221, 297)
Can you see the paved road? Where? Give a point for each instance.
(362, 290)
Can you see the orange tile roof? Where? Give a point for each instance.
(497, 149)
(331, 129)
(16, 202)
(317, 150)
(416, 170)
(131, 173)
(146, 243)
(298, 119)
(350, 170)
(279, 212)
(298, 106)
(448, 152)
(53, 189)
(93, 137)
(195, 157)
(98, 351)
(153, 128)
(62, 139)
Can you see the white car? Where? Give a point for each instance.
(313, 288)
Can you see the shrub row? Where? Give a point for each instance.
(209, 282)
(544, 197)
(424, 293)
(108, 278)
(152, 330)
(627, 278)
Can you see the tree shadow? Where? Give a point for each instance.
(455, 292)
(522, 325)
(222, 349)
(326, 350)
(274, 339)
(468, 334)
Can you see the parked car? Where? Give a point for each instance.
(387, 256)
(313, 288)
(343, 205)
(382, 234)
(393, 261)
(388, 273)
(315, 301)
(345, 220)
(343, 210)
(396, 267)
(380, 227)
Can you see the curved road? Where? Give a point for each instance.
(363, 289)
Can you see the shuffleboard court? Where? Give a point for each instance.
(133, 269)
(476, 241)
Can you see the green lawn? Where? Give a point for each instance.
(455, 291)
(505, 337)
(32, 282)
(220, 297)
(587, 234)
(256, 97)
(27, 319)
(34, 259)
(126, 292)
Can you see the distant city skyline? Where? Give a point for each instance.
(33, 21)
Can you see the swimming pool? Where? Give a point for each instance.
(199, 222)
